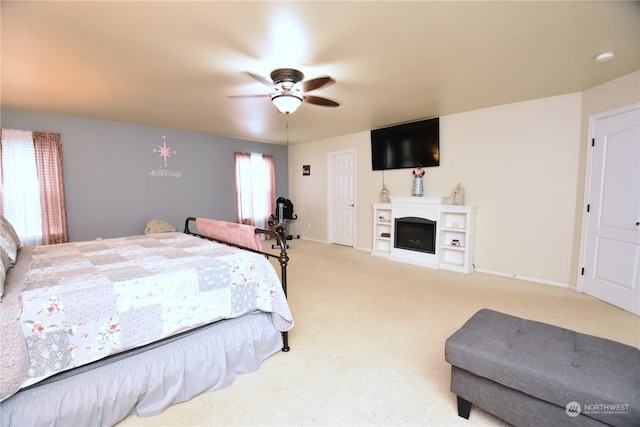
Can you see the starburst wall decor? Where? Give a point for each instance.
(166, 153)
(164, 150)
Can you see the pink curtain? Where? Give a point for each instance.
(48, 152)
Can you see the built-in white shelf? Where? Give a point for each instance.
(456, 237)
(382, 229)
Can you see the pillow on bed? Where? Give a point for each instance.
(14, 356)
(9, 240)
(6, 264)
(3, 277)
(6, 225)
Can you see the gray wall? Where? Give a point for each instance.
(110, 191)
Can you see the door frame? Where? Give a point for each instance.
(588, 183)
(330, 192)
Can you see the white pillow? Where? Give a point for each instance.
(6, 225)
(5, 265)
(3, 277)
(8, 244)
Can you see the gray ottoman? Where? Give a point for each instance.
(532, 373)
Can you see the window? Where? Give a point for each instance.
(32, 186)
(255, 188)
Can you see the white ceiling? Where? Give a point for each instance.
(174, 64)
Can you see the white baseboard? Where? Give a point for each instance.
(528, 279)
(313, 240)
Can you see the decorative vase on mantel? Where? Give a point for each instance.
(384, 194)
(418, 184)
(457, 195)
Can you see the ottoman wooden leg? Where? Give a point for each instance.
(464, 408)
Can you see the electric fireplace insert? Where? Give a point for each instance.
(415, 234)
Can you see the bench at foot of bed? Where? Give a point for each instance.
(532, 373)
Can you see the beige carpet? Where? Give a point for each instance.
(368, 344)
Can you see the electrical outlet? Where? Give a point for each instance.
(309, 225)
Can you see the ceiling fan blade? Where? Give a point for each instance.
(317, 83)
(261, 79)
(250, 96)
(317, 100)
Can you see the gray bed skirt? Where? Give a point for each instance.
(147, 382)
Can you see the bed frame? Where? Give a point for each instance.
(143, 381)
(282, 257)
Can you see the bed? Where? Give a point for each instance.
(95, 331)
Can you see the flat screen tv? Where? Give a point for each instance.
(409, 145)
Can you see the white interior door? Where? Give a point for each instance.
(612, 240)
(343, 201)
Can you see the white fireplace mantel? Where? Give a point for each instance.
(454, 231)
(425, 200)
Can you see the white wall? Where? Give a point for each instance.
(517, 162)
(522, 164)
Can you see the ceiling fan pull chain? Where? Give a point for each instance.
(287, 127)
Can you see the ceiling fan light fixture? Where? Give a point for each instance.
(289, 90)
(605, 56)
(286, 103)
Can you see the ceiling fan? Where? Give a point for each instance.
(290, 89)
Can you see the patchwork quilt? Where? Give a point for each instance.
(87, 300)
